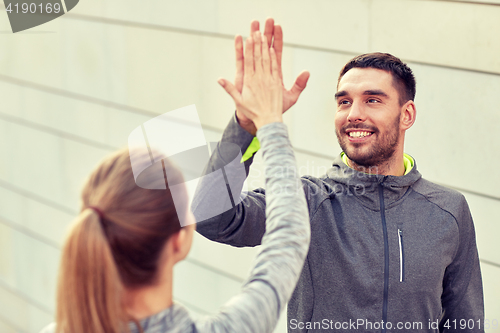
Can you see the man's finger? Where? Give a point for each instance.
(248, 61)
(300, 84)
(266, 60)
(230, 89)
(269, 31)
(238, 47)
(254, 26)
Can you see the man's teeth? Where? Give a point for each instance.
(359, 134)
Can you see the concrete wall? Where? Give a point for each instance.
(73, 89)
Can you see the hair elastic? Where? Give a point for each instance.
(98, 211)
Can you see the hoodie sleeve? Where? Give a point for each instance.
(241, 221)
(462, 298)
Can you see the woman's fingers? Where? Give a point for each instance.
(249, 61)
(257, 52)
(254, 27)
(278, 45)
(266, 60)
(274, 64)
(231, 90)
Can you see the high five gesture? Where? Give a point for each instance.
(261, 99)
(274, 39)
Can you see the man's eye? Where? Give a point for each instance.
(344, 102)
(372, 100)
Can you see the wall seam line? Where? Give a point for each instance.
(481, 3)
(491, 263)
(25, 297)
(36, 197)
(28, 232)
(11, 325)
(151, 26)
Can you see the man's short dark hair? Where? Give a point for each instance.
(404, 80)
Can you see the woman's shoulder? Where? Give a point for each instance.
(175, 319)
(51, 328)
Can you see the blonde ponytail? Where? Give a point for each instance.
(89, 290)
(115, 244)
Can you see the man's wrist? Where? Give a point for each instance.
(247, 125)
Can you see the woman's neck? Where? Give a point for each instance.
(146, 301)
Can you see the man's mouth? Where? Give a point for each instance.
(359, 134)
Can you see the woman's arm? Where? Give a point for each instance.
(286, 241)
(284, 245)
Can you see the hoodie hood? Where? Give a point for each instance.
(341, 179)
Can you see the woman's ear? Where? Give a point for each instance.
(408, 115)
(181, 242)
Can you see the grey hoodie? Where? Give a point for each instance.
(387, 253)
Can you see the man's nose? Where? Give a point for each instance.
(356, 113)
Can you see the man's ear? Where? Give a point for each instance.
(408, 115)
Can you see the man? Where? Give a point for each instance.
(389, 250)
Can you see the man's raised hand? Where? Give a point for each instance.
(274, 32)
(261, 97)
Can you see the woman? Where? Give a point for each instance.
(116, 268)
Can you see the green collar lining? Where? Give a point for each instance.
(251, 150)
(407, 160)
(255, 146)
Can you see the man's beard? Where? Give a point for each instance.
(378, 153)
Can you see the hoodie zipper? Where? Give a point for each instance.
(401, 255)
(386, 253)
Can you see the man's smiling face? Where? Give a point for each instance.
(367, 121)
